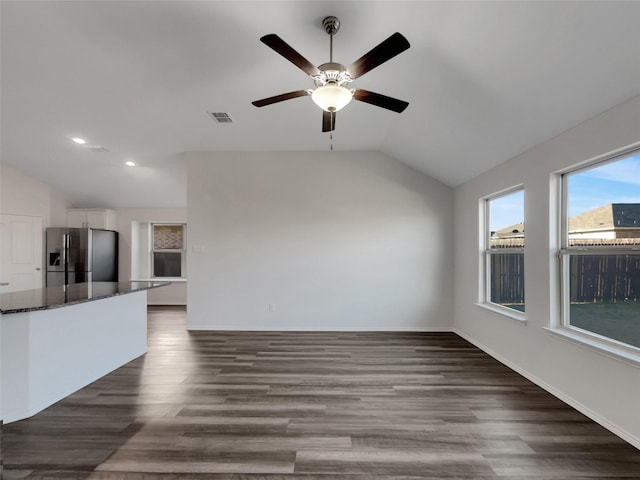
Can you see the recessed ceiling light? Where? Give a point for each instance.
(78, 140)
(129, 163)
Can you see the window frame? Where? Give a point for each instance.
(566, 252)
(153, 251)
(486, 254)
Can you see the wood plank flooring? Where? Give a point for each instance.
(311, 406)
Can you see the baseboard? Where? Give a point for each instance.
(237, 328)
(613, 428)
(166, 304)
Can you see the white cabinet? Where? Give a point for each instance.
(92, 218)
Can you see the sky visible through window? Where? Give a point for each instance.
(506, 210)
(614, 182)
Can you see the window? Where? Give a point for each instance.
(503, 250)
(167, 252)
(600, 255)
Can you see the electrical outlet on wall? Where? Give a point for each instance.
(271, 307)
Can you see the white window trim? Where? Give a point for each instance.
(484, 300)
(183, 251)
(510, 313)
(596, 343)
(590, 340)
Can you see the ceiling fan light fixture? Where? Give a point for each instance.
(331, 98)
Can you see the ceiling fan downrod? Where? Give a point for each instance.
(331, 25)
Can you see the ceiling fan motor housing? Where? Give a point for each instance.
(332, 73)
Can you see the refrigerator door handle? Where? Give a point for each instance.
(64, 248)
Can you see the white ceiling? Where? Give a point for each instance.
(485, 81)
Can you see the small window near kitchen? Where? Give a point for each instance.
(168, 250)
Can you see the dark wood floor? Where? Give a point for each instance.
(273, 405)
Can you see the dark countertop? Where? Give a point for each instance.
(55, 297)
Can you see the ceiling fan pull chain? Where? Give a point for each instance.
(331, 132)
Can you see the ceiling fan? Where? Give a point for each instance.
(332, 79)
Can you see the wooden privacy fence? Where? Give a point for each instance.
(594, 278)
(507, 278)
(605, 278)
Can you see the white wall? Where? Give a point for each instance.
(606, 389)
(176, 293)
(332, 241)
(21, 194)
(59, 207)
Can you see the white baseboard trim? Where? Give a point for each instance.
(238, 328)
(166, 304)
(615, 429)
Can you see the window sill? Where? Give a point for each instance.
(160, 279)
(509, 313)
(619, 354)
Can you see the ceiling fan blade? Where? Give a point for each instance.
(280, 98)
(380, 100)
(283, 48)
(328, 121)
(388, 49)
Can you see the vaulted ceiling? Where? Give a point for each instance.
(485, 81)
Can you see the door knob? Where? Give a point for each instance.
(4, 284)
(38, 268)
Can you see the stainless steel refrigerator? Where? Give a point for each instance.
(76, 255)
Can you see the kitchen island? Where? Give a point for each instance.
(57, 340)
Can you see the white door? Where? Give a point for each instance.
(21, 252)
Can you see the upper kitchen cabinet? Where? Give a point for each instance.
(92, 218)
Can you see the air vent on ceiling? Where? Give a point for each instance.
(96, 148)
(221, 117)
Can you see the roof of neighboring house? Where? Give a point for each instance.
(516, 230)
(606, 217)
(626, 214)
(613, 215)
